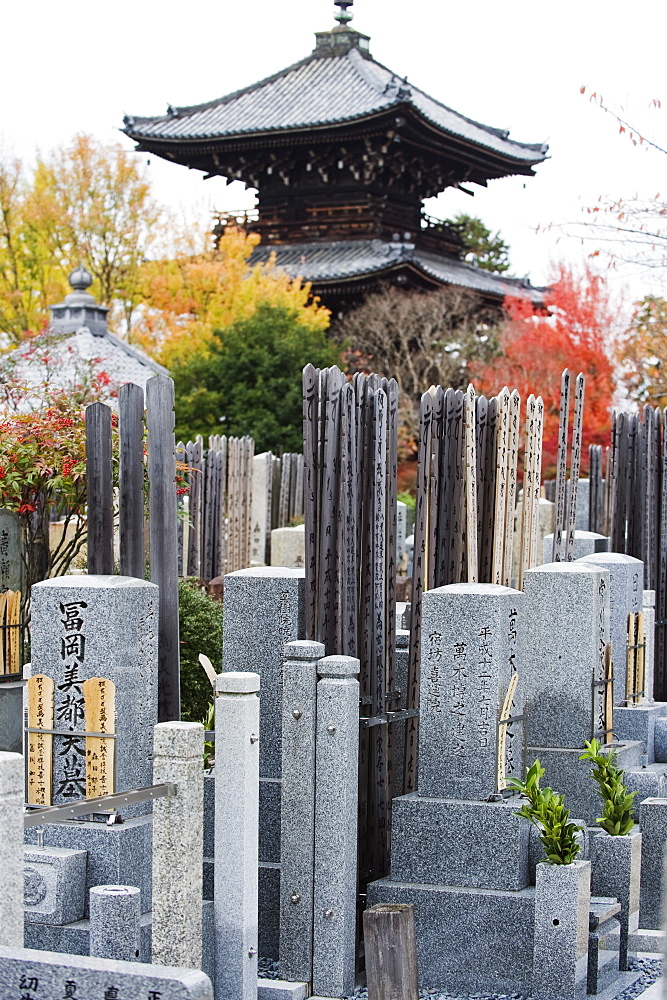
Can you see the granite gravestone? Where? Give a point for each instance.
(567, 630)
(86, 627)
(626, 594)
(585, 543)
(469, 661)
(471, 674)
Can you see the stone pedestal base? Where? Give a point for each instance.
(476, 940)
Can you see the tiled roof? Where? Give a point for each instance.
(120, 361)
(350, 259)
(322, 90)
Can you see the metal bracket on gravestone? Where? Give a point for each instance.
(388, 717)
(105, 803)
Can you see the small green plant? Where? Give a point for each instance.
(546, 810)
(209, 745)
(618, 814)
(200, 624)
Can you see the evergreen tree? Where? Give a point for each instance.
(249, 382)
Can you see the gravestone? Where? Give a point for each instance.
(545, 526)
(260, 508)
(94, 634)
(626, 578)
(288, 547)
(11, 547)
(42, 975)
(471, 686)
(568, 700)
(585, 543)
(86, 627)
(265, 608)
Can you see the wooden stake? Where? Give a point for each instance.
(471, 484)
(512, 458)
(391, 952)
(577, 431)
(561, 467)
(502, 436)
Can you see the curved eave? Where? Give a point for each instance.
(151, 143)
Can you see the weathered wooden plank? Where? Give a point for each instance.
(512, 460)
(310, 381)
(99, 479)
(164, 556)
(502, 449)
(577, 435)
(437, 427)
(471, 485)
(535, 556)
(528, 489)
(131, 479)
(561, 468)
(486, 558)
(418, 580)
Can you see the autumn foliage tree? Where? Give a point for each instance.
(574, 330)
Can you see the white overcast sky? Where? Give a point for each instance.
(68, 68)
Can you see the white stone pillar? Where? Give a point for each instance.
(178, 845)
(236, 834)
(11, 838)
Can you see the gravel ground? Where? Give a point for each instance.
(651, 969)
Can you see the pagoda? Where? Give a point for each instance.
(343, 152)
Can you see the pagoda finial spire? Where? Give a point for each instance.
(343, 16)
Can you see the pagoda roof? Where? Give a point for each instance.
(328, 89)
(355, 260)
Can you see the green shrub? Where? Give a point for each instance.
(618, 818)
(547, 811)
(200, 625)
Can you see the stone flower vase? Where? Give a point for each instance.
(560, 951)
(616, 869)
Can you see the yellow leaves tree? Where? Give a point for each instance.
(84, 203)
(200, 290)
(642, 353)
(91, 203)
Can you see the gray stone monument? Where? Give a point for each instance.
(265, 608)
(585, 543)
(29, 973)
(288, 547)
(98, 626)
(648, 607)
(236, 833)
(626, 578)
(471, 686)
(297, 826)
